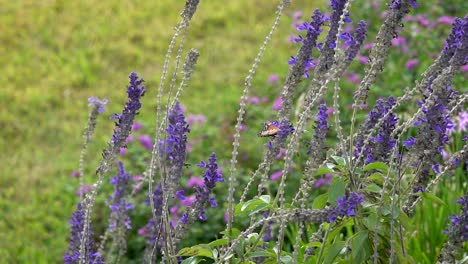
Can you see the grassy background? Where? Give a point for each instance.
(56, 54)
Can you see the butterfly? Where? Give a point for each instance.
(270, 129)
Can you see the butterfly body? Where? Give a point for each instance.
(270, 129)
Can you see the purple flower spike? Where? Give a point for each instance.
(359, 37)
(125, 120)
(458, 228)
(118, 204)
(76, 227)
(96, 103)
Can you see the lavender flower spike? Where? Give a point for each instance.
(203, 197)
(125, 120)
(118, 203)
(124, 123)
(73, 254)
(317, 144)
(359, 37)
(457, 234)
(176, 143)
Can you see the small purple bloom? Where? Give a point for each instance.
(123, 151)
(146, 142)
(273, 78)
(411, 64)
(277, 175)
(137, 126)
(75, 174)
(194, 181)
(83, 190)
(409, 142)
(188, 201)
(99, 104)
(254, 100)
(277, 104)
(446, 20)
(180, 195)
(436, 168)
(345, 206)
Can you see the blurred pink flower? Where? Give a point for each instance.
(446, 20)
(353, 78)
(277, 104)
(411, 64)
(174, 211)
(264, 99)
(364, 60)
(273, 78)
(189, 200)
(410, 18)
(254, 100)
(330, 111)
(75, 174)
(123, 151)
(423, 21)
(243, 127)
(83, 190)
(194, 181)
(146, 142)
(297, 15)
(129, 139)
(401, 42)
(462, 119)
(226, 216)
(464, 68)
(323, 181)
(143, 231)
(137, 126)
(275, 176)
(368, 45)
(191, 119)
(137, 178)
(281, 153)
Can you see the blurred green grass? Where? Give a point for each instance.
(56, 54)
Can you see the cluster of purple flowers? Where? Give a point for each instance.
(203, 194)
(382, 144)
(317, 144)
(153, 227)
(176, 142)
(76, 228)
(313, 30)
(345, 206)
(396, 4)
(125, 120)
(119, 205)
(458, 229)
(99, 104)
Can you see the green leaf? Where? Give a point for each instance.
(322, 171)
(313, 244)
(192, 260)
(234, 233)
(378, 165)
(265, 198)
(286, 259)
(336, 189)
(218, 242)
(373, 188)
(202, 250)
(320, 201)
(339, 160)
(259, 254)
(333, 251)
(432, 197)
(377, 178)
(360, 249)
